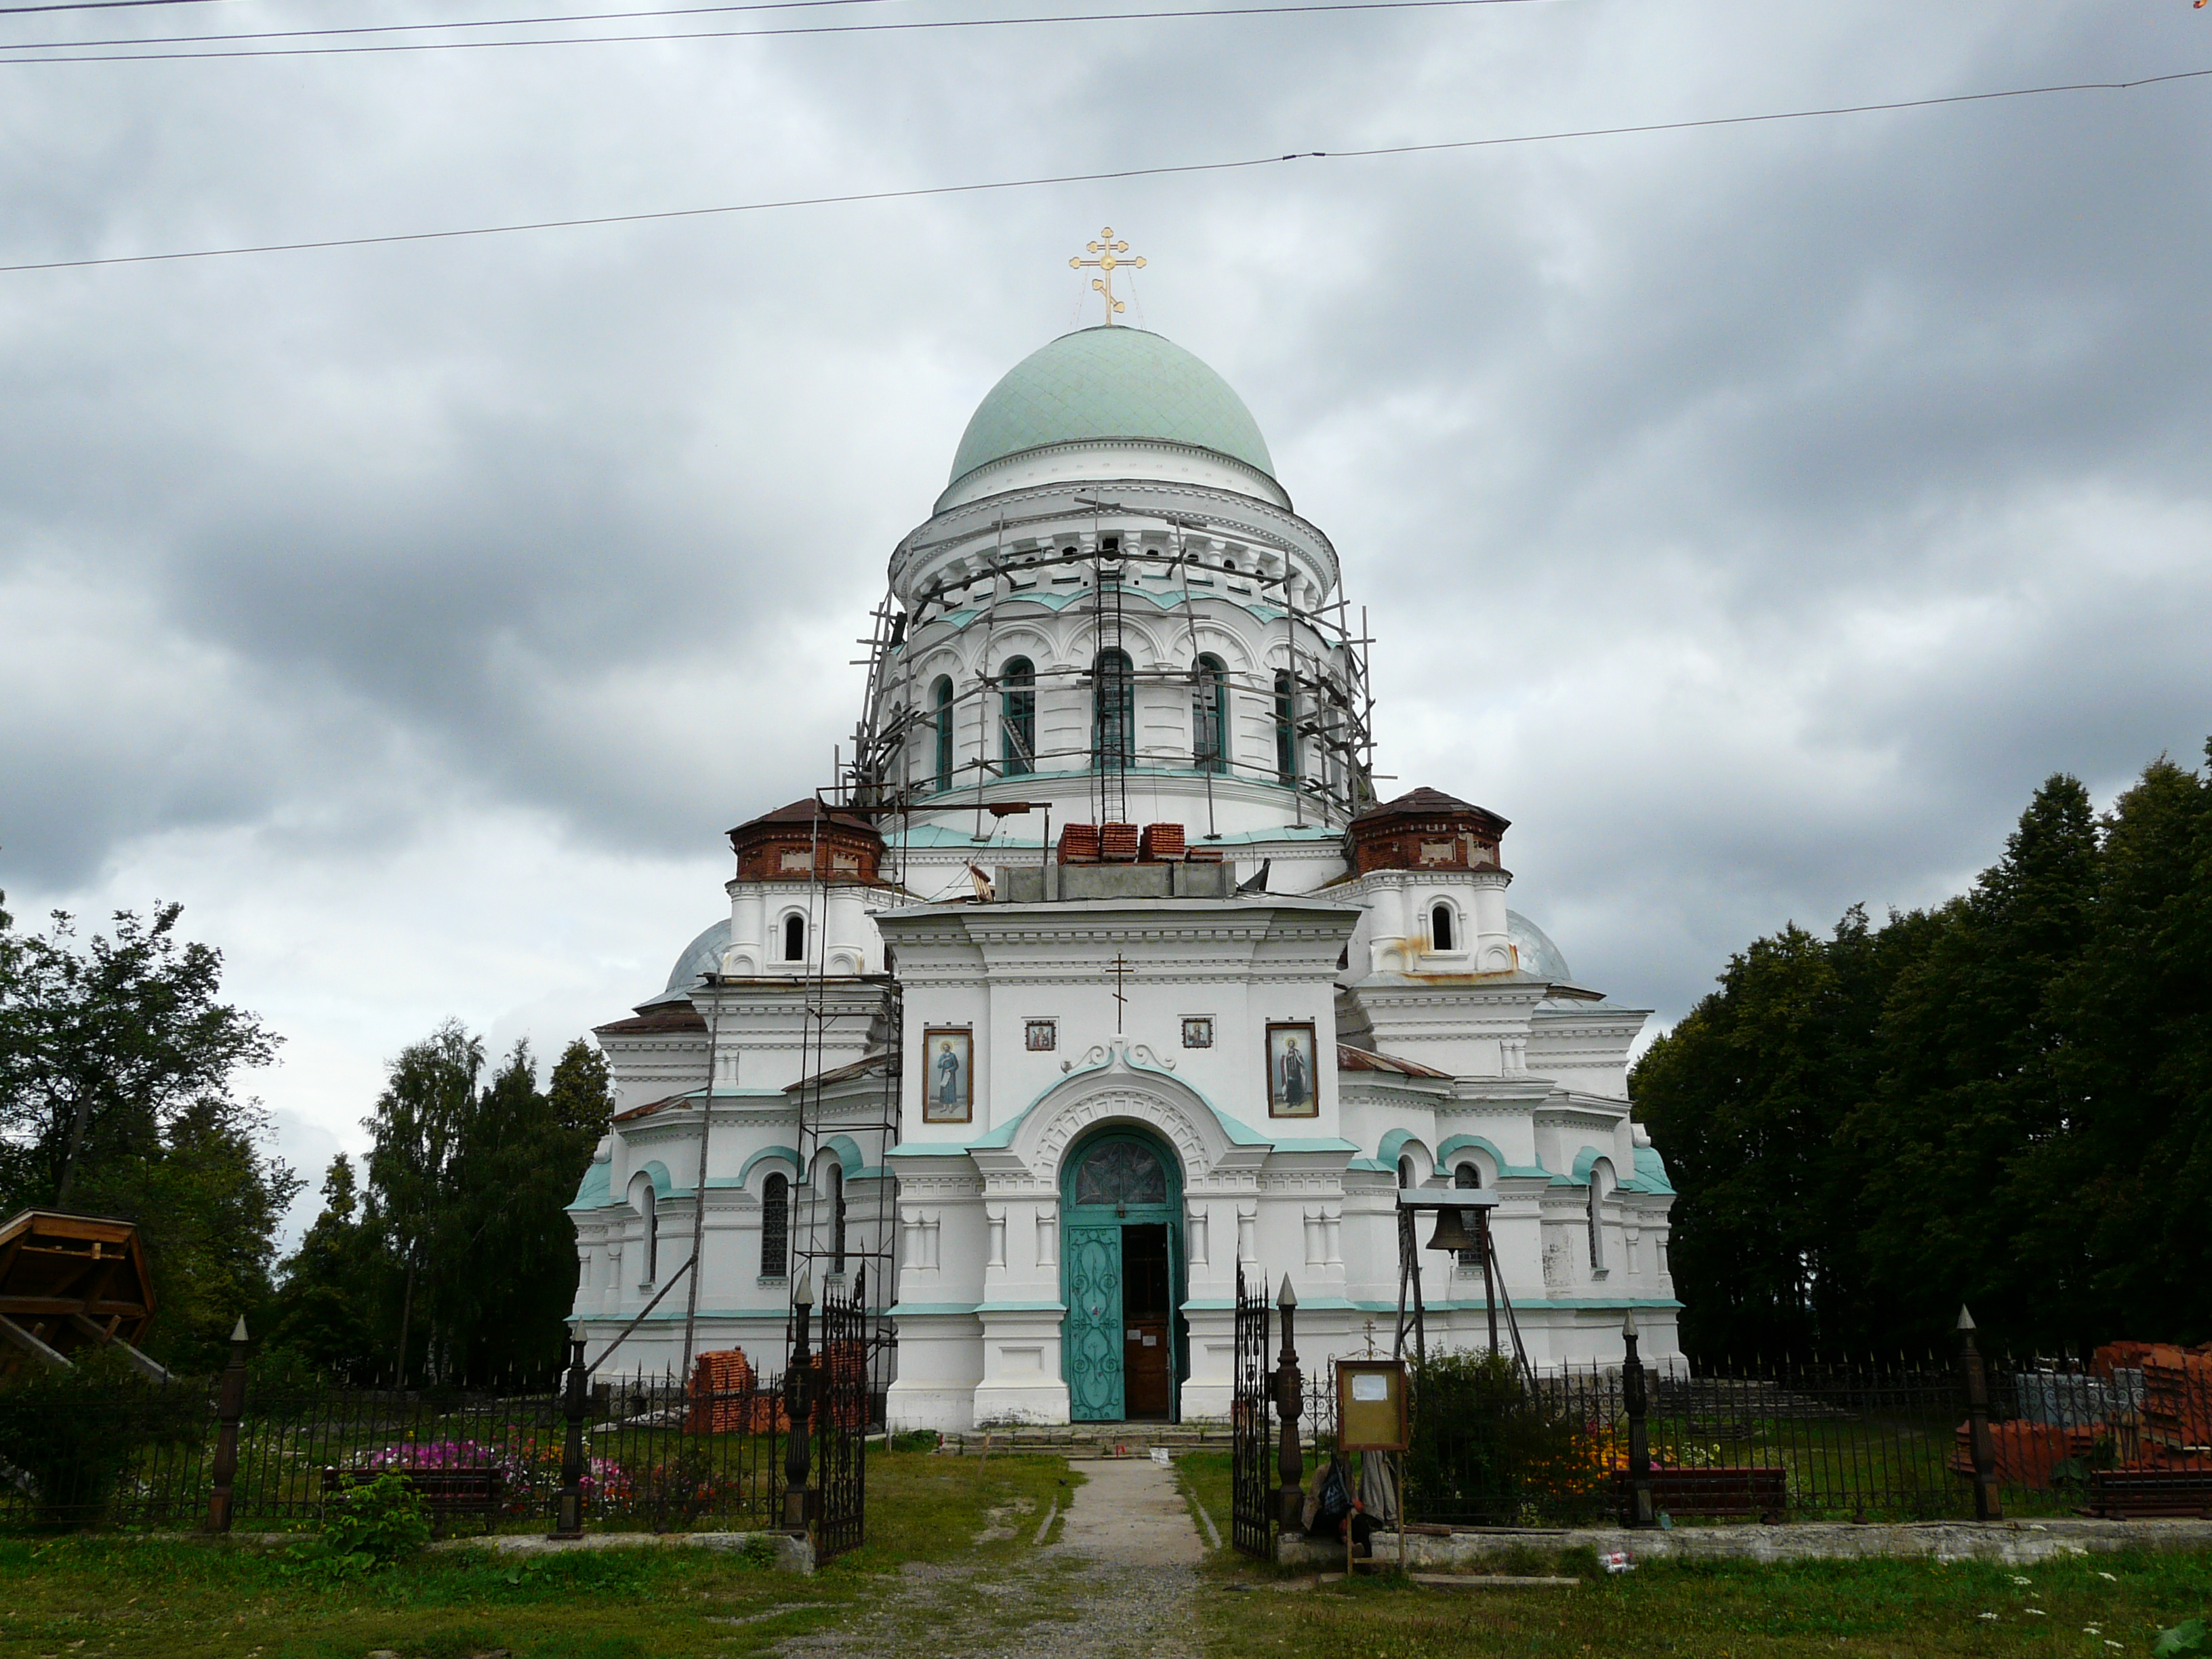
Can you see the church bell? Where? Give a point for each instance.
(1451, 1233)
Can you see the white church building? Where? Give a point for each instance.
(1103, 971)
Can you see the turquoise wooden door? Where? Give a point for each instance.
(1094, 1324)
(1120, 1178)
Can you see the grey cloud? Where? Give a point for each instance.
(1753, 516)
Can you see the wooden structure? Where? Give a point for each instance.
(71, 1282)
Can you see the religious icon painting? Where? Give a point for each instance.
(1042, 1035)
(948, 1075)
(1198, 1031)
(1292, 1090)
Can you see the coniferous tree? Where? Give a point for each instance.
(1968, 1040)
(334, 1286)
(2006, 1100)
(466, 1205)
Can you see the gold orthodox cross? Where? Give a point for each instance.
(1120, 972)
(1107, 262)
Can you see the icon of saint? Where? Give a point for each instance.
(948, 1075)
(1290, 1081)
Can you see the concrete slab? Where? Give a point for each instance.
(2017, 1542)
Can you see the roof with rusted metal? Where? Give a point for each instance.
(1349, 1059)
(1426, 802)
(684, 1017)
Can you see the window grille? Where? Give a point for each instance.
(1209, 715)
(775, 1227)
(1019, 721)
(941, 696)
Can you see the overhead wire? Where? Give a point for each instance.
(418, 28)
(95, 5)
(1122, 173)
(910, 26)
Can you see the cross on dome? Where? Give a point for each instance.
(1106, 265)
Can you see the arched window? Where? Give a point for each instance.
(1404, 1172)
(940, 697)
(1114, 713)
(794, 938)
(775, 1227)
(1597, 1219)
(1467, 1177)
(648, 1208)
(1209, 714)
(1440, 928)
(1286, 728)
(837, 1217)
(1017, 724)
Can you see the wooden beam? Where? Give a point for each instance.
(104, 1336)
(16, 1336)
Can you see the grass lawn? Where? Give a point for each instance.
(1725, 1611)
(81, 1596)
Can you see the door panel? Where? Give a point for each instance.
(1147, 1312)
(1096, 1365)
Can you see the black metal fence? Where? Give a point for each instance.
(657, 1454)
(1858, 1440)
(1252, 1503)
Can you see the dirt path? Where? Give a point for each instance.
(1120, 1583)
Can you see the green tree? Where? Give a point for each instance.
(328, 1308)
(1745, 1096)
(2134, 1078)
(2001, 1101)
(467, 1199)
(416, 1137)
(525, 1151)
(117, 1062)
(1968, 1041)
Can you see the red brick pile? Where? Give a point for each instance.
(723, 1398)
(2173, 1430)
(1126, 844)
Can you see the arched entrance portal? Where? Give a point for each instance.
(1120, 1196)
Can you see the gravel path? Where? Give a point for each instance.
(1121, 1584)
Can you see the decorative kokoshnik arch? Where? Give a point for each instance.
(1122, 1082)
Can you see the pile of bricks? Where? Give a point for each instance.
(2173, 1429)
(723, 1397)
(846, 1364)
(2027, 1453)
(1125, 843)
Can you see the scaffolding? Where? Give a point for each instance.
(1321, 702)
(836, 1235)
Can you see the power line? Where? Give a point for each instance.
(418, 28)
(730, 35)
(1129, 172)
(95, 5)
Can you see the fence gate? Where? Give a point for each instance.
(841, 1420)
(1252, 1499)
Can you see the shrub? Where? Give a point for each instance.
(1487, 1447)
(376, 1524)
(69, 1437)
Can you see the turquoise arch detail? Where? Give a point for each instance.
(788, 1154)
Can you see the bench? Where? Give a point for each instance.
(2133, 1494)
(1714, 1494)
(444, 1492)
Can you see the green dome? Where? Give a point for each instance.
(1104, 383)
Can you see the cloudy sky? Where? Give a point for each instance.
(1754, 515)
